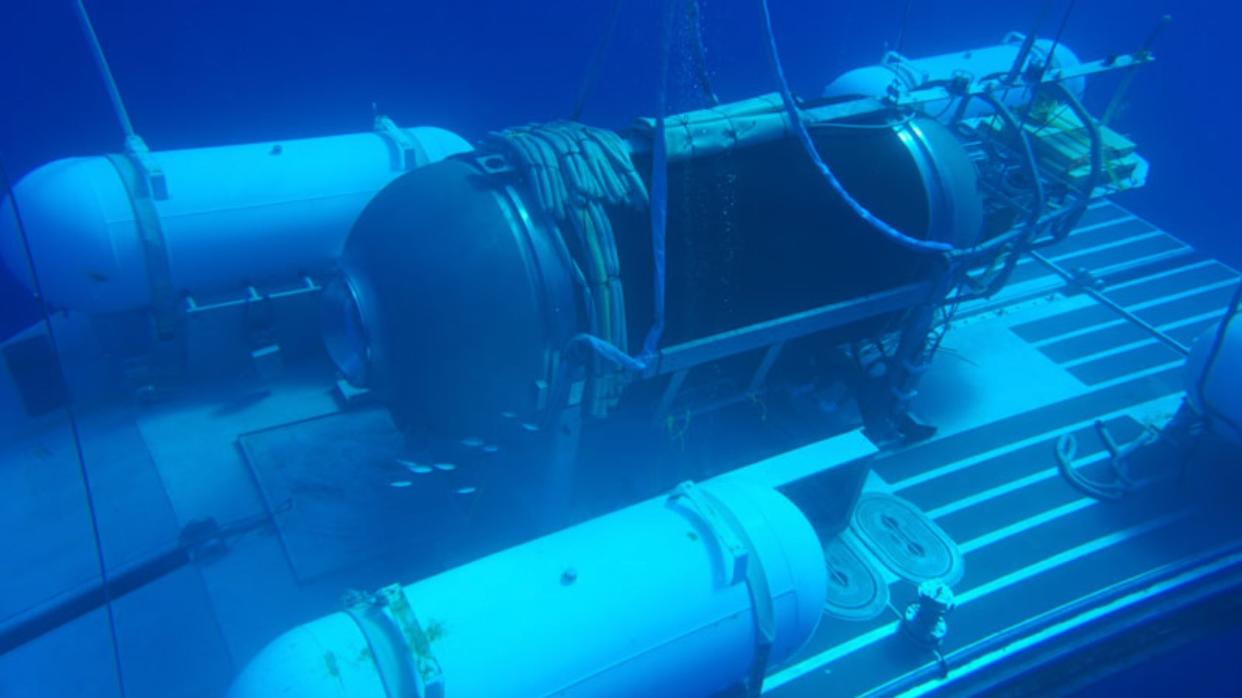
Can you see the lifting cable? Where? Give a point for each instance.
(800, 130)
(74, 431)
(901, 28)
(597, 61)
(694, 17)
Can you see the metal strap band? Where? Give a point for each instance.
(154, 183)
(427, 668)
(741, 563)
(407, 152)
(388, 650)
(155, 251)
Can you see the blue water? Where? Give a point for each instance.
(206, 72)
(232, 71)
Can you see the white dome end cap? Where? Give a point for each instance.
(328, 658)
(77, 219)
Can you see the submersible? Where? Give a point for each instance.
(855, 393)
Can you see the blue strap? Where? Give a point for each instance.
(658, 198)
(795, 122)
(609, 351)
(658, 195)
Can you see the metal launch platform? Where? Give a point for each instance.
(1046, 574)
(876, 392)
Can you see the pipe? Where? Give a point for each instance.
(1111, 304)
(199, 539)
(689, 594)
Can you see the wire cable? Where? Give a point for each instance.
(597, 61)
(698, 53)
(804, 136)
(1043, 70)
(75, 433)
(1209, 363)
(101, 62)
(901, 27)
(659, 195)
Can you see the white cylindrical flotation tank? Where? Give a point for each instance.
(234, 215)
(977, 65)
(664, 598)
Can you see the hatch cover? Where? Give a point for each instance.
(856, 589)
(905, 539)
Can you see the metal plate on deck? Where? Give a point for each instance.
(339, 494)
(905, 539)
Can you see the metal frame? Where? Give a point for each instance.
(916, 98)
(681, 357)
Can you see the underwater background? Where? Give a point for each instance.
(212, 72)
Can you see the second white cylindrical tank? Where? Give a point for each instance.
(234, 215)
(976, 65)
(641, 602)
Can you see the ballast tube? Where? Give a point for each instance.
(991, 62)
(651, 600)
(234, 216)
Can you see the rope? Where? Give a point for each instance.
(575, 173)
(1066, 451)
(800, 130)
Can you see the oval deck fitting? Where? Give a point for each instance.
(905, 539)
(856, 590)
